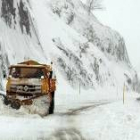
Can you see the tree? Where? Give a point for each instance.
(94, 5)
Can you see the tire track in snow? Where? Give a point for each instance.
(77, 111)
(71, 132)
(67, 134)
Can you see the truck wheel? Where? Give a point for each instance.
(15, 105)
(51, 108)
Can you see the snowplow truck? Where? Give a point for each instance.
(28, 81)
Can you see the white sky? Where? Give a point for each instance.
(124, 16)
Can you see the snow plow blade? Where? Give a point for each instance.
(15, 104)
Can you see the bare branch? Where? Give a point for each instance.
(94, 5)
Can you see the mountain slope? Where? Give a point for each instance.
(84, 51)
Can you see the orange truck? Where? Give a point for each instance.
(28, 81)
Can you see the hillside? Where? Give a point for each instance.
(85, 53)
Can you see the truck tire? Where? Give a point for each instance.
(15, 105)
(52, 104)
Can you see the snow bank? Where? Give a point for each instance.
(113, 121)
(39, 107)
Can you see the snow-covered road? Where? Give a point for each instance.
(62, 125)
(72, 132)
(79, 119)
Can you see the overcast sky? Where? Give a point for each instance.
(124, 16)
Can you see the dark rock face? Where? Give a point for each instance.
(65, 11)
(73, 70)
(24, 18)
(4, 63)
(8, 11)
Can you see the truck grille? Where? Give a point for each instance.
(26, 89)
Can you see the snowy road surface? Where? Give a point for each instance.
(89, 120)
(60, 126)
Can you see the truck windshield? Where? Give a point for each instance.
(22, 72)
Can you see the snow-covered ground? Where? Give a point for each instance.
(83, 116)
(114, 121)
